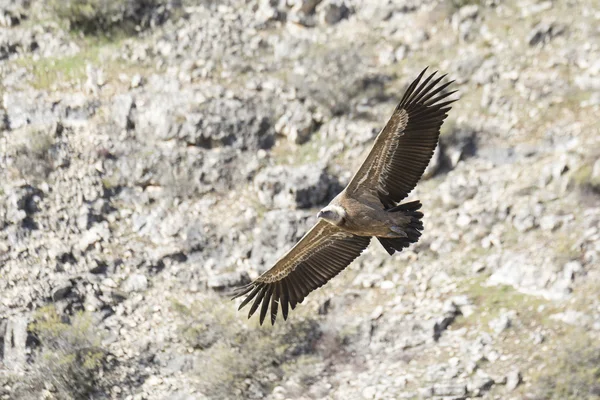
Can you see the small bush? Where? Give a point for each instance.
(33, 159)
(584, 177)
(105, 16)
(573, 374)
(462, 3)
(239, 357)
(69, 361)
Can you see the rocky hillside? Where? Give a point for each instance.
(155, 154)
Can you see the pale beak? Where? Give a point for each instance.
(320, 214)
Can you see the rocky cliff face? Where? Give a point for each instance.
(144, 176)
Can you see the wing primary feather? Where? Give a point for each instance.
(426, 97)
(426, 91)
(257, 300)
(312, 275)
(330, 270)
(304, 279)
(437, 113)
(420, 90)
(265, 304)
(410, 89)
(275, 302)
(295, 288)
(249, 297)
(315, 267)
(300, 286)
(442, 96)
(243, 290)
(285, 298)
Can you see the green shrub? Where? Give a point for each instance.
(584, 178)
(69, 360)
(105, 16)
(33, 158)
(574, 373)
(237, 355)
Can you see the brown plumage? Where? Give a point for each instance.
(368, 206)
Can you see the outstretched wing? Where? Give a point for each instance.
(319, 256)
(404, 147)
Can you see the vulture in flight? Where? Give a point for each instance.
(368, 207)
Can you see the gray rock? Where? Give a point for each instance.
(522, 272)
(479, 385)
(95, 234)
(550, 222)
(4, 124)
(451, 311)
(538, 338)
(293, 187)
(304, 6)
(330, 12)
(231, 122)
(216, 122)
(13, 12)
(266, 13)
(22, 202)
(62, 291)
(449, 389)
(464, 21)
(524, 221)
(544, 32)
(15, 339)
(513, 379)
(135, 283)
(297, 124)
(136, 81)
(455, 192)
(122, 111)
(426, 392)
(571, 269)
(456, 146)
(595, 176)
(502, 323)
(76, 108)
(572, 317)
(226, 281)
(85, 217)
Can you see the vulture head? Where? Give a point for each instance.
(333, 214)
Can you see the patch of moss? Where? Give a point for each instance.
(583, 178)
(572, 373)
(490, 300)
(461, 3)
(287, 153)
(565, 247)
(50, 70)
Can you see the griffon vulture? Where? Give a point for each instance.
(368, 207)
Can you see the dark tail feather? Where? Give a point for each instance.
(410, 206)
(413, 230)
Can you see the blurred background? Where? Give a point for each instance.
(157, 153)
